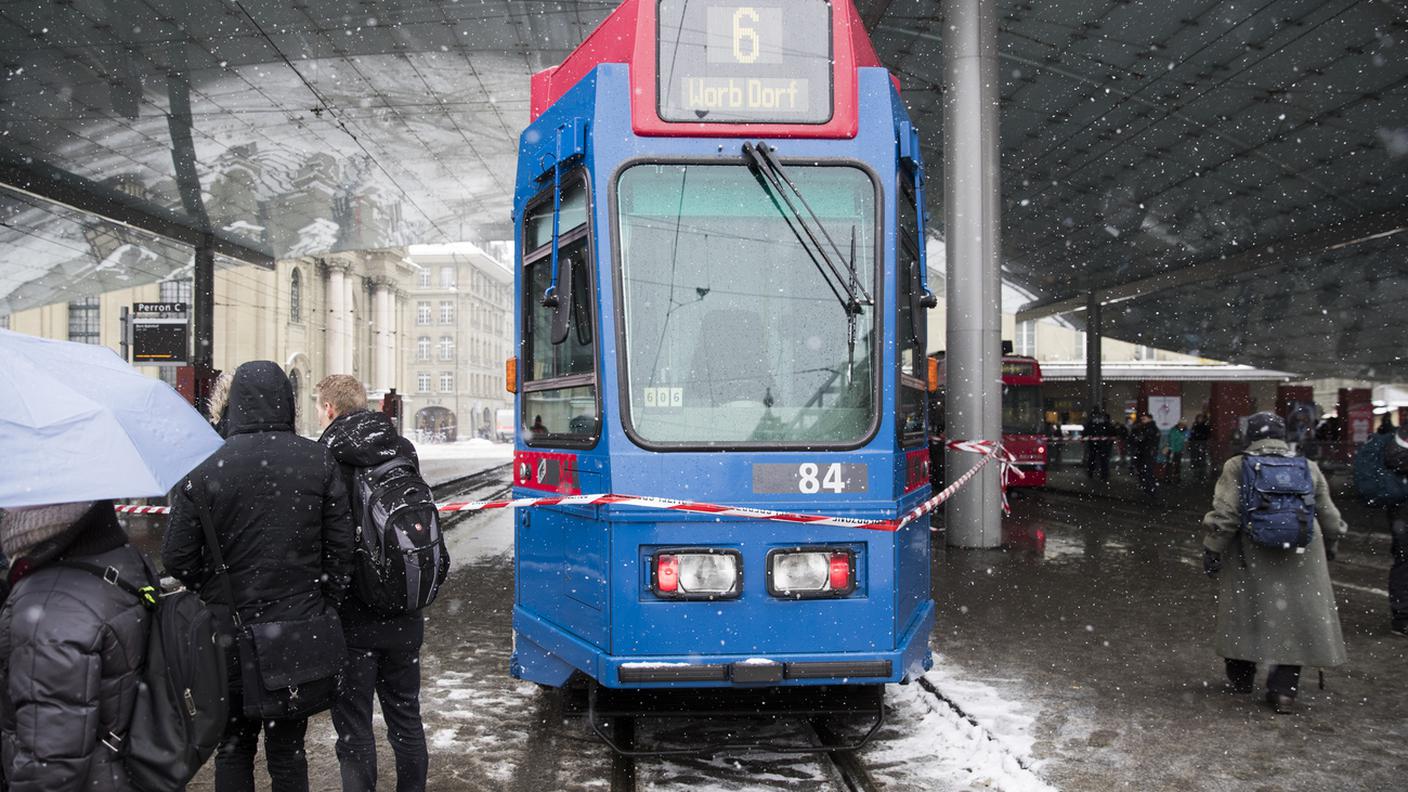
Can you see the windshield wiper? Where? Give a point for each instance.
(764, 163)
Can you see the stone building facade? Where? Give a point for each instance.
(461, 306)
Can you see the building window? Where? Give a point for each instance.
(5, 322)
(1026, 339)
(423, 381)
(422, 313)
(295, 296)
(447, 348)
(447, 312)
(423, 348)
(84, 321)
(1143, 352)
(424, 277)
(176, 291)
(447, 277)
(447, 381)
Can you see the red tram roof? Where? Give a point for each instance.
(628, 36)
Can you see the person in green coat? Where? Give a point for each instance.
(1275, 607)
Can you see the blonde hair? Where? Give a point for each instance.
(219, 398)
(344, 392)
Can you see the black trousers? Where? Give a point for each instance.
(1144, 470)
(393, 675)
(1098, 463)
(283, 751)
(1398, 574)
(1283, 679)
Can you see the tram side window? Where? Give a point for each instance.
(559, 388)
(910, 327)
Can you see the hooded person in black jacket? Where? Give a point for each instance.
(384, 652)
(72, 648)
(280, 514)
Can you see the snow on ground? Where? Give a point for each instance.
(465, 449)
(926, 745)
(485, 536)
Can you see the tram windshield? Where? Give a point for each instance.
(732, 334)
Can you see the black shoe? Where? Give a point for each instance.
(1281, 703)
(1401, 632)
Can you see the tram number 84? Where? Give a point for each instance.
(809, 483)
(810, 478)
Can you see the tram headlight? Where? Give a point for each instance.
(805, 572)
(696, 573)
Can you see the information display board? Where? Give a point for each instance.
(160, 334)
(745, 61)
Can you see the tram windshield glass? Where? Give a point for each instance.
(1021, 409)
(733, 334)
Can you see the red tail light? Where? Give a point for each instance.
(840, 571)
(667, 573)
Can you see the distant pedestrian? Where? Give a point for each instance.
(384, 651)
(1199, 437)
(1143, 447)
(277, 507)
(1099, 434)
(72, 649)
(1385, 425)
(1275, 602)
(1381, 479)
(1177, 441)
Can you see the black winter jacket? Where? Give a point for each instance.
(71, 652)
(359, 440)
(279, 509)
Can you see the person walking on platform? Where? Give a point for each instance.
(1177, 441)
(1143, 446)
(72, 647)
(1381, 478)
(384, 650)
(1099, 435)
(261, 530)
(1271, 532)
(1199, 438)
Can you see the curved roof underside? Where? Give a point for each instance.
(1229, 177)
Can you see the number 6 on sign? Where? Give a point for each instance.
(742, 33)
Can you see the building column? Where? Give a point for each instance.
(973, 396)
(381, 329)
(1094, 375)
(336, 333)
(350, 330)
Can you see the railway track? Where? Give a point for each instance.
(488, 484)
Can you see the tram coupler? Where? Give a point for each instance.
(607, 707)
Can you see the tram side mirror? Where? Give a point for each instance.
(562, 308)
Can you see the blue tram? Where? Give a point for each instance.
(721, 299)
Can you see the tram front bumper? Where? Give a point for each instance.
(543, 645)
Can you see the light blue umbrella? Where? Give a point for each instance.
(77, 423)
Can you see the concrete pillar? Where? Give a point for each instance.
(973, 399)
(1094, 375)
(336, 335)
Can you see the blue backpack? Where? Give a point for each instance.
(1278, 501)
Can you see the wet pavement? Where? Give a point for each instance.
(1088, 660)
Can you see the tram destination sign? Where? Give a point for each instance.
(744, 61)
(160, 334)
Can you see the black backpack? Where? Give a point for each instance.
(401, 555)
(182, 701)
(1278, 501)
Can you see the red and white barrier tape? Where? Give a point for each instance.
(988, 451)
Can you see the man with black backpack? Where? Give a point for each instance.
(400, 563)
(1272, 531)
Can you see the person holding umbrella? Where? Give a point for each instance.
(79, 427)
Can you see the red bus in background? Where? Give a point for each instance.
(1023, 424)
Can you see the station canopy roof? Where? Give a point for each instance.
(1231, 179)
